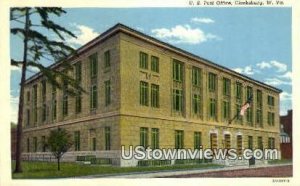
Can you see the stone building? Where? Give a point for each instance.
(286, 135)
(142, 91)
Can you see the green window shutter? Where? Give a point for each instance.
(143, 60)
(144, 91)
(155, 64)
(154, 138)
(154, 95)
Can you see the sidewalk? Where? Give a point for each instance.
(179, 172)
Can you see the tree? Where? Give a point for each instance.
(59, 142)
(29, 24)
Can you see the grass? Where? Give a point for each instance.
(49, 170)
(282, 161)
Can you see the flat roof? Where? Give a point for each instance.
(127, 30)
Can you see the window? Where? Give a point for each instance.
(43, 143)
(213, 141)
(154, 138)
(250, 142)
(196, 104)
(78, 103)
(54, 105)
(44, 112)
(259, 117)
(143, 60)
(212, 108)
(227, 141)
(44, 89)
(35, 104)
(196, 76)
(65, 98)
(249, 92)
(271, 143)
(54, 102)
(155, 64)
(77, 140)
(271, 117)
(107, 138)
(238, 116)
(259, 98)
(28, 96)
(94, 144)
(144, 93)
(177, 71)
(249, 116)
(154, 95)
(107, 59)
(93, 97)
(107, 93)
(197, 140)
(226, 87)
(78, 71)
(239, 144)
(226, 109)
(260, 143)
(27, 118)
(35, 144)
(212, 81)
(144, 137)
(28, 145)
(93, 65)
(179, 139)
(239, 90)
(177, 100)
(270, 100)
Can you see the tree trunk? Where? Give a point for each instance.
(58, 164)
(18, 167)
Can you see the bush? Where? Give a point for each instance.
(101, 161)
(191, 161)
(85, 158)
(144, 163)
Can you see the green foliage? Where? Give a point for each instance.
(101, 161)
(59, 142)
(145, 163)
(46, 47)
(85, 158)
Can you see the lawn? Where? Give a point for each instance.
(49, 170)
(282, 161)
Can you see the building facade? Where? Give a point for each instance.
(286, 135)
(142, 91)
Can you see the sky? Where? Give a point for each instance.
(253, 41)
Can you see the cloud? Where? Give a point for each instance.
(14, 106)
(248, 70)
(285, 96)
(140, 29)
(276, 82)
(287, 75)
(202, 20)
(280, 67)
(263, 65)
(83, 33)
(33, 69)
(15, 68)
(183, 34)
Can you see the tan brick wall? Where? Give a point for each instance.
(126, 115)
